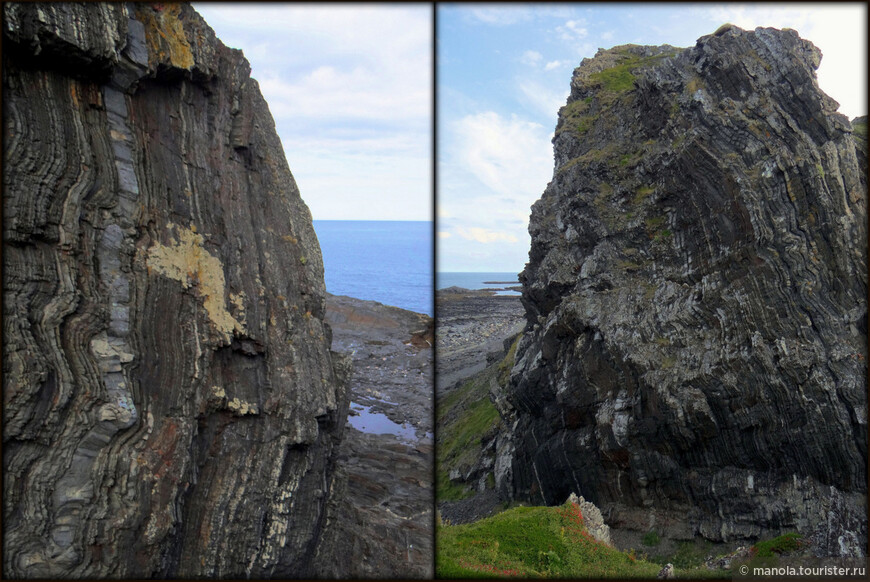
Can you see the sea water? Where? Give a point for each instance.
(497, 281)
(387, 261)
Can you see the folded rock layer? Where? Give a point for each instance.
(694, 355)
(171, 404)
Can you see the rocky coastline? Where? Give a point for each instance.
(472, 326)
(382, 520)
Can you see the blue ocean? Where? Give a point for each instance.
(479, 281)
(381, 260)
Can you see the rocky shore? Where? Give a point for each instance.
(472, 325)
(382, 522)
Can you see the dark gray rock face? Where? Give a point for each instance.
(694, 355)
(171, 404)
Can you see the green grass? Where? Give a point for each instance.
(507, 363)
(620, 78)
(654, 222)
(575, 117)
(642, 194)
(783, 544)
(549, 542)
(459, 438)
(616, 79)
(464, 416)
(651, 538)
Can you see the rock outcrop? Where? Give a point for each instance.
(171, 404)
(696, 341)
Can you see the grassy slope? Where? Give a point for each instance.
(547, 542)
(552, 542)
(463, 417)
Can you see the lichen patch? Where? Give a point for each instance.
(188, 262)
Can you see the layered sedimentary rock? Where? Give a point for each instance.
(694, 355)
(171, 404)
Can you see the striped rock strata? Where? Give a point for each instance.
(171, 404)
(694, 355)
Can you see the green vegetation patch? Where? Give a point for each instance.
(459, 438)
(651, 538)
(654, 222)
(620, 78)
(575, 116)
(784, 544)
(507, 364)
(642, 194)
(547, 542)
(616, 79)
(464, 416)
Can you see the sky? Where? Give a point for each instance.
(350, 88)
(504, 72)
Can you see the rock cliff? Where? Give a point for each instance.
(171, 404)
(694, 354)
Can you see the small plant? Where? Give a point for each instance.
(654, 222)
(651, 538)
(783, 544)
(688, 555)
(642, 194)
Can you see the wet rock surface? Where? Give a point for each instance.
(382, 523)
(694, 358)
(171, 404)
(392, 359)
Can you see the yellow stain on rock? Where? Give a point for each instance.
(238, 300)
(186, 261)
(165, 36)
(242, 407)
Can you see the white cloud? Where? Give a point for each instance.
(493, 169)
(554, 65)
(443, 234)
(531, 58)
(511, 156)
(485, 236)
(350, 88)
(357, 185)
(501, 15)
(543, 98)
(359, 93)
(573, 30)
